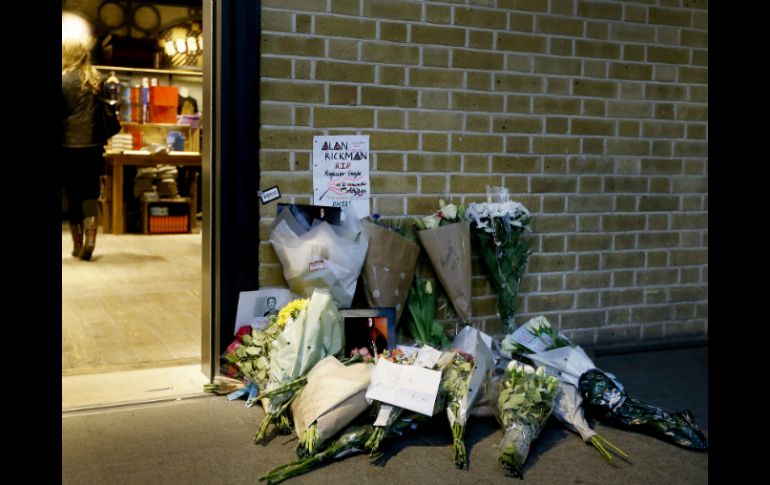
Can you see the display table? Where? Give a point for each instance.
(114, 163)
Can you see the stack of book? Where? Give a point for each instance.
(144, 181)
(167, 186)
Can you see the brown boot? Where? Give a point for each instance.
(89, 239)
(77, 239)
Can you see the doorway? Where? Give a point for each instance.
(131, 317)
(229, 231)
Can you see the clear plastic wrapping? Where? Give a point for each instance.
(325, 256)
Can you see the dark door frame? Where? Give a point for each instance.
(230, 169)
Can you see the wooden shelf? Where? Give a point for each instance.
(171, 72)
(159, 125)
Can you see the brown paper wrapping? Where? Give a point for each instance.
(333, 397)
(389, 268)
(449, 250)
(342, 415)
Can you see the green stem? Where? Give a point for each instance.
(458, 446)
(373, 443)
(283, 472)
(596, 444)
(260, 436)
(284, 424)
(613, 448)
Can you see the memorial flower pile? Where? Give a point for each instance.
(361, 405)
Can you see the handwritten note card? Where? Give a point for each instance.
(341, 173)
(534, 343)
(406, 386)
(427, 357)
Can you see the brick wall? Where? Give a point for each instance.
(593, 113)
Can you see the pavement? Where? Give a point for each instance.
(208, 440)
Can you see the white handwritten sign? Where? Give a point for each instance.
(341, 173)
(406, 386)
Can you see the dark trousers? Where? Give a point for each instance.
(81, 169)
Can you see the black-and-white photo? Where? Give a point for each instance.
(256, 307)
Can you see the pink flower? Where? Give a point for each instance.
(231, 348)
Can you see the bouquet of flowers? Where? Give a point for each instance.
(250, 352)
(538, 342)
(332, 397)
(569, 410)
(525, 401)
(421, 303)
(323, 256)
(390, 417)
(446, 238)
(390, 264)
(316, 332)
(463, 382)
(602, 395)
(497, 230)
(536, 335)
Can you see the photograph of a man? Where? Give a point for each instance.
(256, 307)
(271, 310)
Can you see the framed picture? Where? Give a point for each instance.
(306, 214)
(373, 328)
(256, 307)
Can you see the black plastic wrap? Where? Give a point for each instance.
(605, 399)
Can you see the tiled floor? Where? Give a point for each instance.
(136, 304)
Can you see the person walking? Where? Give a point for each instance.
(82, 144)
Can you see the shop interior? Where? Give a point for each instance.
(131, 316)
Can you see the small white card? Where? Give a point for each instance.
(269, 195)
(534, 343)
(406, 386)
(384, 415)
(427, 357)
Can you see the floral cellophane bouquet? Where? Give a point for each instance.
(463, 382)
(314, 333)
(524, 404)
(497, 230)
(250, 352)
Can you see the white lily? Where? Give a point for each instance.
(449, 211)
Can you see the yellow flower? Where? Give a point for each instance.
(291, 310)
